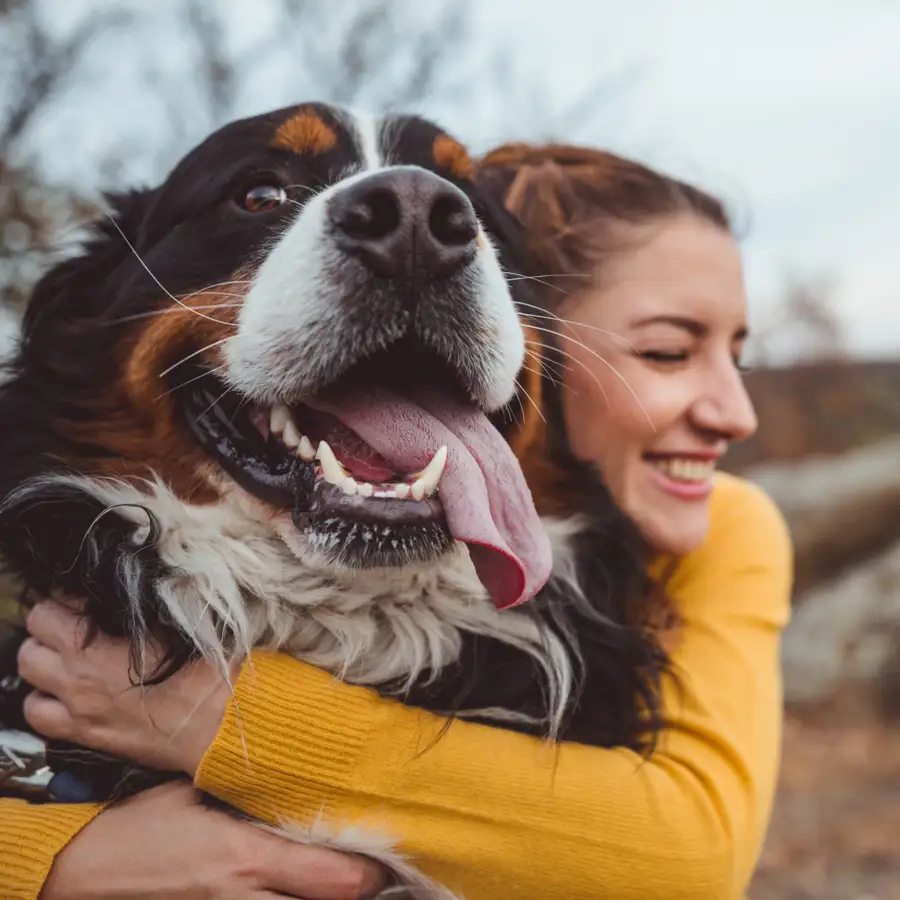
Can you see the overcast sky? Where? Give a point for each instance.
(791, 108)
(788, 108)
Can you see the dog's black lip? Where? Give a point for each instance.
(219, 422)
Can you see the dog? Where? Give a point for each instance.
(302, 396)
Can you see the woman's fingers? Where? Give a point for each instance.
(315, 873)
(41, 666)
(165, 726)
(55, 624)
(49, 717)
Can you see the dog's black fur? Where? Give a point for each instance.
(77, 328)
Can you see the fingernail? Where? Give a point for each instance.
(374, 879)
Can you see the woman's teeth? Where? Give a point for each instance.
(423, 484)
(681, 468)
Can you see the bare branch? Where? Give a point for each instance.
(41, 67)
(217, 71)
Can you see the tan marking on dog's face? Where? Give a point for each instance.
(305, 133)
(551, 487)
(450, 154)
(137, 423)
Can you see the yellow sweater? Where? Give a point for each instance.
(496, 814)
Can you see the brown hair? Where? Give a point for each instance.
(572, 201)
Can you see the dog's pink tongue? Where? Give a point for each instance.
(485, 499)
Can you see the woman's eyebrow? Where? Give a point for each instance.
(692, 326)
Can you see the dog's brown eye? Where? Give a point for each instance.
(264, 197)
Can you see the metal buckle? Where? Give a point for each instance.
(23, 765)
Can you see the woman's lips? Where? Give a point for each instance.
(683, 476)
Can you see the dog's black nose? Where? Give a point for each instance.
(405, 219)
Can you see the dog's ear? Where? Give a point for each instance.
(72, 290)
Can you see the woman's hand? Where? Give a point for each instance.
(86, 695)
(164, 844)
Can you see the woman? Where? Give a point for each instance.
(654, 310)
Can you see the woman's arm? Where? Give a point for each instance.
(165, 844)
(488, 811)
(31, 837)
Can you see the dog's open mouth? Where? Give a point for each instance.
(387, 467)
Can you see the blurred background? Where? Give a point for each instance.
(787, 109)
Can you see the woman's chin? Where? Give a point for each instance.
(676, 532)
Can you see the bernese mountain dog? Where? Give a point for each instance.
(302, 396)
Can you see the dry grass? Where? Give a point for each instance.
(835, 834)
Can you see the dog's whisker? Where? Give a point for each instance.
(606, 363)
(518, 397)
(544, 366)
(587, 369)
(209, 287)
(543, 279)
(553, 317)
(531, 400)
(215, 402)
(146, 268)
(167, 311)
(191, 356)
(184, 384)
(305, 187)
(523, 276)
(243, 402)
(560, 367)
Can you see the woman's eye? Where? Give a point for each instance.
(659, 356)
(264, 197)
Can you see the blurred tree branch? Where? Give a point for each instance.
(805, 321)
(216, 69)
(37, 66)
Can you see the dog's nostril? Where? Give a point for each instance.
(373, 216)
(452, 221)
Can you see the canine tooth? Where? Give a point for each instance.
(431, 474)
(332, 470)
(278, 418)
(418, 490)
(365, 490)
(291, 436)
(349, 487)
(306, 450)
(401, 491)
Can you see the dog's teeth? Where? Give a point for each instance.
(431, 475)
(332, 471)
(349, 487)
(291, 436)
(365, 490)
(278, 418)
(401, 491)
(305, 450)
(418, 489)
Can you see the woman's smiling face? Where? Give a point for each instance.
(653, 392)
